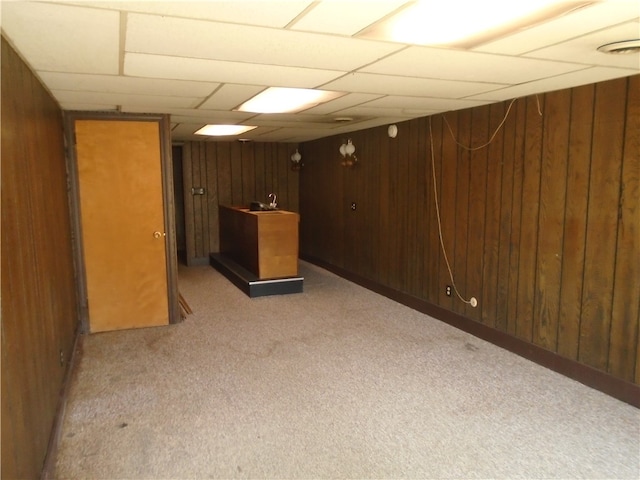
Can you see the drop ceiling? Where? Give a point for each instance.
(198, 61)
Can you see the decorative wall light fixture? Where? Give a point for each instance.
(296, 161)
(347, 150)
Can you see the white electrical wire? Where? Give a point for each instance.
(473, 149)
(493, 136)
(472, 301)
(435, 195)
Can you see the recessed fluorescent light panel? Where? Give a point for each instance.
(223, 130)
(287, 100)
(466, 23)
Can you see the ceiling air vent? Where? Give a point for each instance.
(620, 48)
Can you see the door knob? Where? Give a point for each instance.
(159, 234)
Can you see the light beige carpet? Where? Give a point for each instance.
(336, 382)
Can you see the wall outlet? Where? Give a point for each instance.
(447, 290)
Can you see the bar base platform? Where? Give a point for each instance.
(249, 283)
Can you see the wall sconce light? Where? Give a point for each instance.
(347, 150)
(296, 160)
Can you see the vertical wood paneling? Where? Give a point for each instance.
(529, 219)
(414, 215)
(333, 229)
(313, 214)
(448, 206)
(293, 184)
(386, 210)
(551, 218)
(39, 306)
(236, 173)
(196, 181)
(248, 161)
(427, 219)
(459, 260)
(625, 314)
(189, 219)
(268, 170)
(352, 193)
(369, 221)
(204, 199)
(281, 188)
(338, 195)
(488, 301)
(232, 173)
(395, 215)
(575, 220)
(259, 171)
(602, 222)
(504, 242)
(516, 215)
(477, 199)
(541, 226)
(223, 174)
(212, 198)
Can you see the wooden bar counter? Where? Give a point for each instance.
(263, 242)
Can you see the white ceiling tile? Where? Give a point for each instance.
(468, 66)
(348, 100)
(584, 49)
(345, 17)
(398, 112)
(130, 85)
(266, 121)
(594, 17)
(230, 96)
(423, 103)
(185, 129)
(376, 122)
(408, 86)
(583, 77)
(155, 66)
(222, 41)
(197, 60)
(64, 38)
(88, 107)
(214, 116)
(159, 102)
(271, 13)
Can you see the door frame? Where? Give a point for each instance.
(70, 118)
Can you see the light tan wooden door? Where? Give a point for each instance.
(122, 223)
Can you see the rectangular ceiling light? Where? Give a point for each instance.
(223, 130)
(465, 23)
(287, 100)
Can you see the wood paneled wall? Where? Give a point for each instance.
(232, 173)
(39, 308)
(542, 226)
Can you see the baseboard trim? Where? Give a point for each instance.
(197, 261)
(622, 390)
(48, 469)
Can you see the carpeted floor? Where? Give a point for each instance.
(336, 382)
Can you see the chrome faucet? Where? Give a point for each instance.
(273, 203)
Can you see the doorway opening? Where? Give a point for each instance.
(178, 193)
